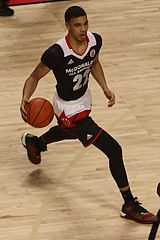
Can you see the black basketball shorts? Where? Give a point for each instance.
(86, 130)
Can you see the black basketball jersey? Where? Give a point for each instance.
(70, 69)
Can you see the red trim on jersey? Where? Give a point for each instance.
(70, 47)
(67, 41)
(94, 139)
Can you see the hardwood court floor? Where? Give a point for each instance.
(71, 195)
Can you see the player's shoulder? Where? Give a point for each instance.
(95, 40)
(52, 56)
(64, 44)
(55, 48)
(94, 36)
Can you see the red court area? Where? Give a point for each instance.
(20, 2)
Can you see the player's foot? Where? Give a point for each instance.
(136, 212)
(5, 10)
(33, 146)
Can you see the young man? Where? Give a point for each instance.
(5, 11)
(72, 59)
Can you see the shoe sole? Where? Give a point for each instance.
(124, 215)
(23, 140)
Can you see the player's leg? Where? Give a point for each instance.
(131, 208)
(111, 148)
(35, 145)
(88, 132)
(4, 9)
(158, 189)
(66, 114)
(155, 226)
(154, 229)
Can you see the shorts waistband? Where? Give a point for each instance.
(72, 102)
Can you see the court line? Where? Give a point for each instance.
(52, 195)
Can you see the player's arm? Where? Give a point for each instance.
(98, 74)
(30, 85)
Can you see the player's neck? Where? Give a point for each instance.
(78, 46)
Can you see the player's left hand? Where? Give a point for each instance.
(111, 97)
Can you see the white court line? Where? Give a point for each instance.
(52, 195)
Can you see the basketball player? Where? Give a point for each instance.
(72, 59)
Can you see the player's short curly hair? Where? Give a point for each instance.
(74, 12)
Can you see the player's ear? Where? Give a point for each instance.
(67, 25)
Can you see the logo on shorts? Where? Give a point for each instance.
(89, 136)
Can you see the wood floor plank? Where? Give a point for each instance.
(71, 195)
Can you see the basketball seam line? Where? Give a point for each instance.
(39, 112)
(44, 119)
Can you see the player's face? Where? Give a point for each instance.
(77, 28)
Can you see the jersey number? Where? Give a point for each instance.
(81, 80)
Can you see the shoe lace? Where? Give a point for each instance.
(137, 206)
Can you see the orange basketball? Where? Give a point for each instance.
(40, 112)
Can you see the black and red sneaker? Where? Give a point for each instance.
(134, 211)
(5, 11)
(34, 147)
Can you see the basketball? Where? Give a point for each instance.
(40, 112)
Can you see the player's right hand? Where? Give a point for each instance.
(22, 109)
